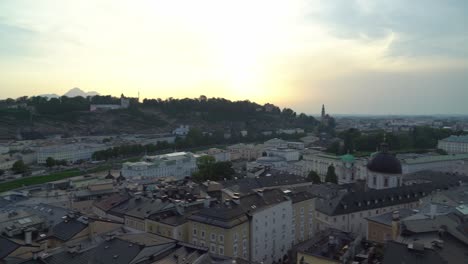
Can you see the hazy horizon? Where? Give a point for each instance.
(359, 57)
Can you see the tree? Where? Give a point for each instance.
(19, 167)
(331, 175)
(1, 172)
(209, 169)
(313, 177)
(50, 162)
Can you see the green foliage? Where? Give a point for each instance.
(313, 177)
(19, 167)
(331, 175)
(418, 138)
(38, 180)
(209, 169)
(50, 162)
(2, 172)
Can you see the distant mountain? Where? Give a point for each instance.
(78, 92)
(49, 95)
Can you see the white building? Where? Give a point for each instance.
(290, 131)
(182, 130)
(124, 103)
(434, 162)
(347, 168)
(71, 152)
(219, 154)
(177, 165)
(285, 153)
(454, 144)
(245, 151)
(271, 225)
(384, 170)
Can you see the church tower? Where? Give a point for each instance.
(323, 111)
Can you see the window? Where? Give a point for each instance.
(202, 233)
(194, 231)
(221, 250)
(385, 182)
(194, 241)
(221, 238)
(213, 248)
(213, 237)
(234, 249)
(202, 243)
(374, 180)
(235, 237)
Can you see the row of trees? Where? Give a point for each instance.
(418, 138)
(51, 162)
(330, 177)
(209, 169)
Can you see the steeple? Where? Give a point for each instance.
(384, 145)
(323, 111)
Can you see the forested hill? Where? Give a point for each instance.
(39, 116)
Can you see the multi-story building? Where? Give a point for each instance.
(347, 168)
(285, 153)
(223, 229)
(71, 152)
(245, 151)
(271, 226)
(384, 170)
(303, 204)
(177, 165)
(347, 210)
(257, 227)
(454, 144)
(219, 154)
(434, 162)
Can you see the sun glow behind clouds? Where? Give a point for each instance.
(266, 51)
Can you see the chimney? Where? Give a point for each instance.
(236, 199)
(260, 192)
(28, 236)
(395, 224)
(433, 210)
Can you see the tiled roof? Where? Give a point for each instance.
(68, 229)
(398, 253)
(460, 139)
(7, 247)
(350, 202)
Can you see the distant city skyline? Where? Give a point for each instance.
(356, 57)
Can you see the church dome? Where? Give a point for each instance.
(384, 162)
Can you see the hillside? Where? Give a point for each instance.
(39, 116)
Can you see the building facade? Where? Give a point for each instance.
(454, 144)
(177, 165)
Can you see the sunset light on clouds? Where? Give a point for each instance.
(296, 53)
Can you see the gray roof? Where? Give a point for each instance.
(355, 201)
(147, 207)
(320, 246)
(7, 247)
(246, 185)
(68, 229)
(70, 258)
(459, 139)
(232, 214)
(398, 253)
(386, 219)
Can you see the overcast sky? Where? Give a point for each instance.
(356, 57)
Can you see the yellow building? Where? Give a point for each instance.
(303, 204)
(223, 230)
(168, 224)
(327, 247)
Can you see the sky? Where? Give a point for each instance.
(354, 56)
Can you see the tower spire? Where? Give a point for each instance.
(323, 111)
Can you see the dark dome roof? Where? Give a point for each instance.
(384, 162)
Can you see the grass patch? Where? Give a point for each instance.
(104, 167)
(38, 180)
